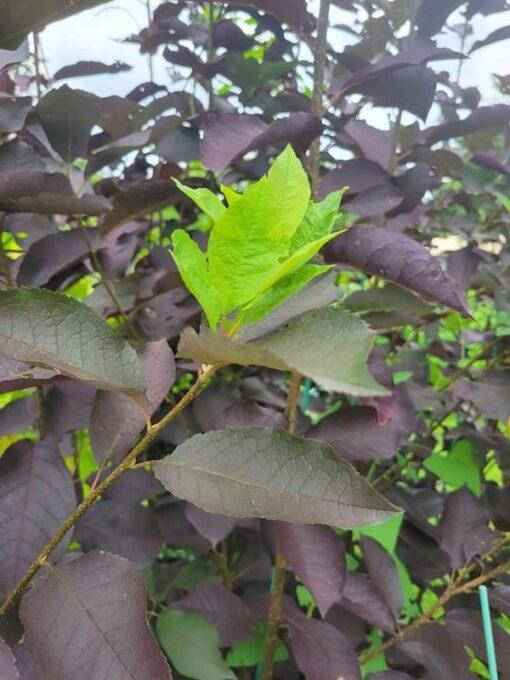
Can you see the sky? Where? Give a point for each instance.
(97, 35)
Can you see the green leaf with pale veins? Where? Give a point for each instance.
(283, 289)
(328, 345)
(192, 645)
(250, 240)
(192, 265)
(319, 220)
(205, 199)
(260, 472)
(50, 330)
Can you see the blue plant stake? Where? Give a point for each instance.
(487, 629)
(305, 397)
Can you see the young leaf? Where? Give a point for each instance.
(251, 238)
(206, 200)
(192, 265)
(36, 497)
(191, 644)
(86, 616)
(318, 221)
(231, 195)
(328, 345)
(282, 290)
(259, 472)
(50, 330)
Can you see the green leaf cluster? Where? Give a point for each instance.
(259, 245)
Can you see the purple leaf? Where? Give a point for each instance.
(316, 555)
(462, 265)
(463, 528)
(482, 118)
(489, 394)
(432, 14)
(361, 598)
(17, 416)
(321, 651)
(399, 259)
(355, 433)
(116, 419)
(210, 525)
(36, 497)
(374, 201)
(8, 670)
(86, 618)
(89, 68)
(141, 199)
(356, 174)
(383, 572)
(47, 194)
(68, 407)
(15, 375)
(230, 135)
(500, 599)
(465, 626)
(374, 144)
(119, 524)
(502, 33)
(226, 611)
(53, 253)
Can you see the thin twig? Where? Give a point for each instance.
(37, 66)
(456, 587)
(278, 581)
(4, 260)
(149, 437)
(320, 57)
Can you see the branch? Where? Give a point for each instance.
(320, 56)
(458, 586)
(278, 579)
(149, 437)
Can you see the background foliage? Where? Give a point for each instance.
(88, 209)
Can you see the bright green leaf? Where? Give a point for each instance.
(231, 195)
(206, 200)
(191, 643)
(250, 652)
(318, 221)
(192, 265)
(457, 468)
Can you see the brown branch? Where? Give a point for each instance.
(320, 57)
(275, 607)
(456, 587)
(149, 437)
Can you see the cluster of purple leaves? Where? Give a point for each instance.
(87, 203)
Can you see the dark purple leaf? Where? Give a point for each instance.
(462, 265)
(374, 144)
(8, 670)
(47, 194)
(357, 175)
(432, 14)
(502, 33)
(489, 160)
(15, 375)
(361, 598)
(119, 524)
(33, 226)
(321, 651)
(500, 599)
(316, 555)
(230, 135)
(291, 12)
(166, 315)
(383, 572)
(141, 199)
(489, 394)
(228, 34)
(375, 201)
(13, 112)
(463, 528)
(481, 119)
(389, 675)
(226, 611)
(53, 253)
(116, 419)
(399, 259)
(36, 497)
(17, 416)
(89, 68)
(212, 526)
(67, 117)
(68, 407)
(466, 627)
(86, 617)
